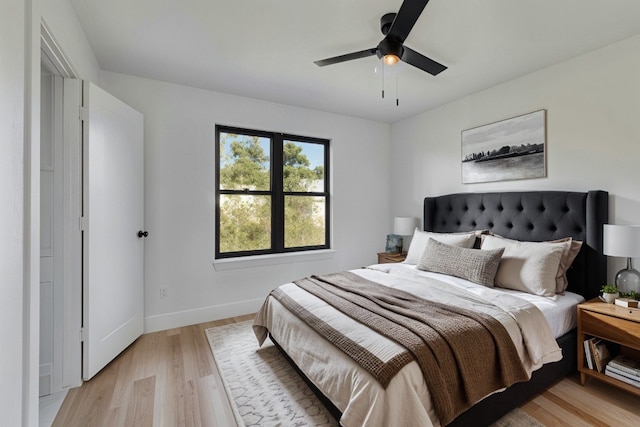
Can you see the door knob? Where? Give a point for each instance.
(143, 233)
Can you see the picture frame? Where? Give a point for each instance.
(394, 244)
(509, 149)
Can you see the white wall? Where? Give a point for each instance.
(593, 134)
(179, 196)
(12, 110)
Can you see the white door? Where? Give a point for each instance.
(112, 216)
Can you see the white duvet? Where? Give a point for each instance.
(406, 401)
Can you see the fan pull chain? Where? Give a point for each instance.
(397, 96)
(382, 62)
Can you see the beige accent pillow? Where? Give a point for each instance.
(527, 266)
(475, 265)
(571, 250)
(419, 242)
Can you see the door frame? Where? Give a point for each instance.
(68, 363)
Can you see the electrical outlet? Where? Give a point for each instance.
(163, 292)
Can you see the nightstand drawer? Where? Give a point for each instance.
(611, 328)
(385, 257)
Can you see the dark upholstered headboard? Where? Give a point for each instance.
(533, 216)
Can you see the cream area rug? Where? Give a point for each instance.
(264, 390)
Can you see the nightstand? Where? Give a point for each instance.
(611, 323)
(386, 257)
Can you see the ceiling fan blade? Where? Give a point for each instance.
(346, 57)
(418, 60)
(405, 19)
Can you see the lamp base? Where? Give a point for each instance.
(628, 280)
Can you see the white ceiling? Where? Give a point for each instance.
(265, 49)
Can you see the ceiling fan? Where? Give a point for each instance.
(391, 49)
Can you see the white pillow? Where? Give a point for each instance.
(571, 250)
(419, 242)
(527, 266)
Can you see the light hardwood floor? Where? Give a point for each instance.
(169, 379)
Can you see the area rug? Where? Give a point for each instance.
(264, 390)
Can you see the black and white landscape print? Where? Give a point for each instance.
(505, 150)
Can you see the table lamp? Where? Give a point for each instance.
(624, 241)
(404, 226)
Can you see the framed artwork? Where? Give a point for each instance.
(394, 244)
(505, 150)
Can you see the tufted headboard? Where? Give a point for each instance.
(533, 216)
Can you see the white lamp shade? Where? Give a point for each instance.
(621, 240)
(404, 225)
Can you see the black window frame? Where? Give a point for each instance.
(276, 192)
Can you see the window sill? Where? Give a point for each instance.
(272, 259)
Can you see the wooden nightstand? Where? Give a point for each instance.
(385, 257)
(611, 323)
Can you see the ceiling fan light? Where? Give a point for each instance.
(390, 51)
(391, 59)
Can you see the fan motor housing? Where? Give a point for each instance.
(389, 47)
(386, 21)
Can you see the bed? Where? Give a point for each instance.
(355, 395)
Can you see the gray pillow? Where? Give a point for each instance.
(475, 265)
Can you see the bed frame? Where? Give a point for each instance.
(531, 216)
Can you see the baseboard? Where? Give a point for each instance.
(177, 319)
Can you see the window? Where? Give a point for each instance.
(272, 193)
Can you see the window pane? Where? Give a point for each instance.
(303, 166)
(244, 162)
(304, 221)
(245, 222)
